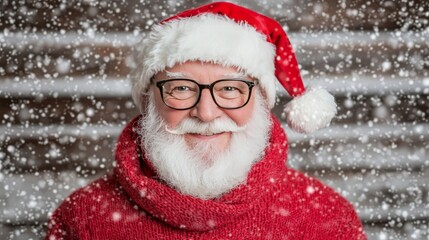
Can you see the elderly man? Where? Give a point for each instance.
(206, 159)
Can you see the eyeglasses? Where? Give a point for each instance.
(183, 94)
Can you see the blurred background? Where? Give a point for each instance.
(65, 96)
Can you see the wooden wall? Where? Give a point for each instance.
(65, 96)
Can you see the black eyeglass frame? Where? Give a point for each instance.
(250, 84)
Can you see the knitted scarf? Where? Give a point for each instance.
(190, 213)
(275, 203)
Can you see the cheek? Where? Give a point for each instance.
(171, 117)
(242, 115)
(174, 117)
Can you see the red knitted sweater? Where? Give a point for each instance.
(275, 203)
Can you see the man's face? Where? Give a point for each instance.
(228, 143)
(206, 110)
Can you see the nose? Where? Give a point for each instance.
(206, 110)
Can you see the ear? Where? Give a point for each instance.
(144, 101)
(262, 95)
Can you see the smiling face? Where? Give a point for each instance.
(204, 151)
(206, 111)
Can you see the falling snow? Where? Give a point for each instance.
(116, 216)
(65, 96)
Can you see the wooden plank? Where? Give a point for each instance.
(86, 149)
(414, 230)
(98, 102)
(338, 84)
(22, 232)
(66, 110)
(73, 54)
(29, 198)
(408, 230)
(329, 15)
(64, 60)
(90, 147)
(357, 104)
(66, 101)
(381, 196)
(65, 87)
(351, 147)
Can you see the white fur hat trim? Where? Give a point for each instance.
(311, 111)
(207, 38)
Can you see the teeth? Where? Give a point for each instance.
(207, 134)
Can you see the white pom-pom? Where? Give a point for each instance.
(311, 111)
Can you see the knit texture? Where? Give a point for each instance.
(276, 202)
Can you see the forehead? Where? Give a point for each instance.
(201, 70)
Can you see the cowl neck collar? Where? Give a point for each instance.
(164, 203)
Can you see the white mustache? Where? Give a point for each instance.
(193, 126)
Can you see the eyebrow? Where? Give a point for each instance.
(238, 75)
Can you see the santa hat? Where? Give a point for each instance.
(231, 35)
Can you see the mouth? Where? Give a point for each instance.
(218, 140)
(206, 136)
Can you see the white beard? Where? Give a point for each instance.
(204, 171)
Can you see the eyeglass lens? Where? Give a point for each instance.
(182, 94)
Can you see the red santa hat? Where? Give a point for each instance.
(231, 35)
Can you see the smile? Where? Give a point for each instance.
(205, 136)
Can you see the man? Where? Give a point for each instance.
(206, 159)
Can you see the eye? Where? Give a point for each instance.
(229, 89)
(182, 92)
(181, 88)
